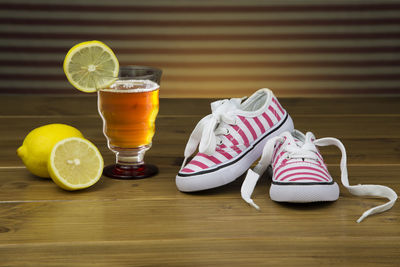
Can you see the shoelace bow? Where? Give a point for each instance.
(307, 150)
(205, 134)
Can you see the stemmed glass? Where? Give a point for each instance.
(129, 108)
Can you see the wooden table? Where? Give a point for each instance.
(149, 222)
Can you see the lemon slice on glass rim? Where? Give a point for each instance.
(75, 163)
(90, 66)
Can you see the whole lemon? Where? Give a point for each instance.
(37, 146)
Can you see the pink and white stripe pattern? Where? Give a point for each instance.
(286, 170)
(300, 174)
(239, 137)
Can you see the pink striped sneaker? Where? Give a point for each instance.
(230, 140)
(300, 174)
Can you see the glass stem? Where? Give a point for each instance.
(130, 157)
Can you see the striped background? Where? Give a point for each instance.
(211, 48)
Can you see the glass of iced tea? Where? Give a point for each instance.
(129, 108)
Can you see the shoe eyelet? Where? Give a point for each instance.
(227, 131)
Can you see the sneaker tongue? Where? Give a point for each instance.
(225, 105)
(292, 141)
(298, 142)
(236, 102)
(299, 138)
(303, 148)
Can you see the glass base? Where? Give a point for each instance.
(127, 172)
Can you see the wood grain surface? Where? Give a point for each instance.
(150, 223)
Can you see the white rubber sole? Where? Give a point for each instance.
(304, 193)
(231, 170)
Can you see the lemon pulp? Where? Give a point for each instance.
(90, 66)
(37, 146)
(75, 163)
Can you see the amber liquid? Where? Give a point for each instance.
(129, 116)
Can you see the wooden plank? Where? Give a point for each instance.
(203, 217)
(368, 140)
(271, 251)
(85, 104)
(190, 220)
(359, 151)
(18, 185)
(174, 130)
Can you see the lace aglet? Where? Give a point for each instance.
(248, 186)
(254, 205)
(361, 219)
(251, 203)
(365, 215)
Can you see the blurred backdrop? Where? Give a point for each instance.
(210, 48)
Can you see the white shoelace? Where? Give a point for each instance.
(306, 151)
(207, 131)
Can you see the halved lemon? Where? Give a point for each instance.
(90, 66)
(75, 163)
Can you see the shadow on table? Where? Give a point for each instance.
(234, 187)
(263, 182)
